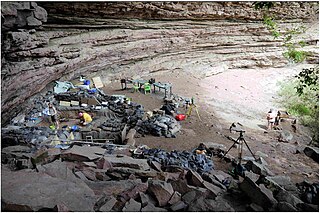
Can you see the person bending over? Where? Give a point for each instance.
(85, 118)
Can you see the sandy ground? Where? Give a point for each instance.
(235, 96)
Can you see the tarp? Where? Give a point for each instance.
(62, 86)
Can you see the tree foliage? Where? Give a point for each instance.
(292, 52)
(308, 79)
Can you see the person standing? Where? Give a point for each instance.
(52, 112)
(271, 118)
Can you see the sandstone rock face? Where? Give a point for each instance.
(136, 38)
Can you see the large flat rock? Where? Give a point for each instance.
(83, 153)
(126, 161)
(39, 190)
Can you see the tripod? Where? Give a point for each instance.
(240, 141)
(191, 106)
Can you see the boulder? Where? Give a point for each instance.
(151, 208)
(285, 136)
(308, 207)
(258, 194)
(83, 153)
(193, 178)
(125, 161)
(155, 165)
(254, 207)
(132, 206)
(89, 173)
(210, 205)
(176, 197)
(278, 183)
(215, 190)
(144, 200)
(211, 179)
(286, 207)
(312, 152)
(108, 205)
(40, 14)
(59, 169)
(37, 191)
(44, 156)
(284, 196)
(161, 190)
(102, 163)
(254, 177)
(60, 208)
(80, 175)
(181, 186)
(33, 22)
(133, 193)
(189, 197)
(220, 175)
(112, 188)
(258, 168)
(179, 206)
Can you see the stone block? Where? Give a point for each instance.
(125, 161)
(176, 197)
(179, 206)
(193, 178)
(312, 152)
(215, 190)
(285, 196)
(286, 207)
(258, 168)
(161, 190)
(132, 206)
(107, 207)
(151, 208)
(258, 194)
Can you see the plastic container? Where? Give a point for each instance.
(86, 82)
(180, 117)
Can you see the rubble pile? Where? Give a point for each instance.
(159, 125)
(114, 179)
(185, 159)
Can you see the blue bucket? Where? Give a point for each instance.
(86, 82)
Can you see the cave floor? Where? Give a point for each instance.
(281, 157)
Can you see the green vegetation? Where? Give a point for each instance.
(292, 53)
(303, 103)
(300, 96)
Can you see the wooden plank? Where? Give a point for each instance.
(75, 103)
(64, 103)
(97, 82)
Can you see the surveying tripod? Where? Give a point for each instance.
(191, 107)
(240, 140)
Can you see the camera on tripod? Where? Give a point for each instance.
(236, 127)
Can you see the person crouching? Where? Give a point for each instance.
(85, 118)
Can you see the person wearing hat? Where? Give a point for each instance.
(271, 117)
(85, 118)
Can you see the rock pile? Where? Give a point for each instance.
(99, 181)
(159, 125)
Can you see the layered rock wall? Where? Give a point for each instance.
(137, 38)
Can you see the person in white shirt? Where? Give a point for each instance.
(271, 118)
